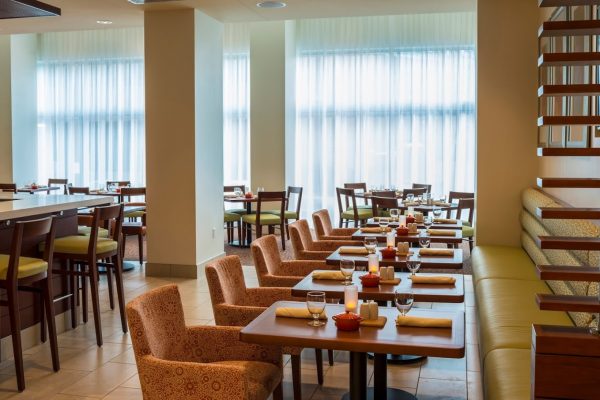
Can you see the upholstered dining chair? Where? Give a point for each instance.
(59, 182)
(8, 187)
(231, 188)
(382, 205)
(179, 362)
(422, 186)
(348, 208)
(133, 196)
(415, 192)
(467, 206)
(236, 305)
(453, 197)
(262, 218)
(294, 196)
(324, 229)
(362, 188)
(79, 190)
(305, 248)
(383, 193)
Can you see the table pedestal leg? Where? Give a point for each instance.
(380, 391)
(358, 377)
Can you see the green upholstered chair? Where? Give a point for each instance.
(230, 219)
(422, 186)
(294, 196)
(361, 187)
(348, 209)
(262, 218)
(467, 206)
(59, 182)
(133, 196)
(79, 190)
(231, 188)
(382, 205)
(453, 197)
(415, 192)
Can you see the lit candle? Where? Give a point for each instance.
(390, 239)
(373, 263)
(351, 298)
(402, 220)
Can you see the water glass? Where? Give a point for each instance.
(424, 240)
(410, 198)
(238, 191)
(427, 221)
(347, 268)
(394, 214)
(383, 224)
(413, 264)
(437, 212)
(404, 301)
(371, 244)
(315, 302)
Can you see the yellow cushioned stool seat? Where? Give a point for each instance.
(501, 262)
(87, 230)
(231, 217)
(286, 214)
(363, 213)
(507, 374)
(468, 231)
(134, 214)
(507, 309)
(265, 219)
(27, 266)
(79, 245)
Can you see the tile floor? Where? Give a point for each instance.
(89, 372)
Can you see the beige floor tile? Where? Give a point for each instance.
(444, 368)
(95, 357)
(473, 360)
(102, 381)
(474, 386)
(125, 394)
(43, 387)
(472, 334)
(470, 315)
(403, 376)
(127, 357)
(430, 389)
(69, 397)
(133, 382)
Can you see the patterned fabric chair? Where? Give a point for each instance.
(202, 362)
(325, 230)
(236, 305)
(305, 248)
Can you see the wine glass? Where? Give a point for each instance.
(437, 211)
(238, 191)
(427, 221)
(410, 198)
(404, 301)
(347, 268)
(371, 244)
(413, 264)
(424, 240)
(383, 224)
(360, 268)
(315, 302)
(394, 214)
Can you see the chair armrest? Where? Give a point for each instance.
(264, 297)
(279, 280)
(343, 232)
(222, 343)
(301, 268)
(348, 237)
(234, 315)
(177, 380)
(313, 255)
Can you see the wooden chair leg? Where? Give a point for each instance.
(84, 299)
(278, 392)
(258, 231)
(141, 247)
(319, 360)
(118, 263)
(48, 296)
(271, 229)
(92, 273)
(239, 230)
(287, 229)
(43, 335)
(296, 377)
(282, 227)
(73, 290)
(341, 223)
(330, 356)
(109, 282)
(15, 332)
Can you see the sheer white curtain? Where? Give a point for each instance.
(385, 100)
(236, 104)
(91, 106)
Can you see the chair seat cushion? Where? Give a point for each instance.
(27, 266)
(363, 213)
(231, 217)
(134, 214)
(265, 219)
(468, 231)
(502, 262)
(466, 223)
(240, 211)
(287, 214)
(507, 374)
(79, 245)
(262, 378)
(87, 230)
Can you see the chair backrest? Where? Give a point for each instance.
(266, 256)
(300, 236)
(231, 188)
(118, 183)
(467, 206)
(8, 187)
(226, 283)
(157, 325)
(268, 197)
(415, 192)
(391, 194)
(386, 203)
(422, 186)
(453, 196)
(297, 191)
(360, 186)
(79, 190)
(59, 182)
(346, 198)
(322, 223)
(109, 217)
(26, 231)
(128, 192)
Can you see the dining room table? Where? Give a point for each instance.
(446, 342)
(452, 261)
(37, 189)
(454, 238)
(455, 224)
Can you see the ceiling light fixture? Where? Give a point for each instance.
(271, 4)
(104, 22)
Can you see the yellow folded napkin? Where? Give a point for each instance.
(329, 275)
(376, 323)
(294, 312)
(445, 221)
(394, 281)
(411, 203)
(437, 252)
(353, 250)
(441, 204)
(423, 322)
(441, 232)
(435, 280)
(374, 230)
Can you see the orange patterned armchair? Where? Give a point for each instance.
(180, 363)
(305, 248)
(325, 230)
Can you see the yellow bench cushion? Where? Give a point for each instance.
(87, 230)
(27, 266)
(507, 374)
(79, 245)
(501, 262)
(265, 219)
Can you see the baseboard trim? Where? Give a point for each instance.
(190, 271)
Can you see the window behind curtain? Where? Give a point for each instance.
(91, 107)
(385, 100)
(236, 105)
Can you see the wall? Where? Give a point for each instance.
(6, 171)
(506, 115)
(267, 110)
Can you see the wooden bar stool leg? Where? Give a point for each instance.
(95, 301)
(48, 296)
(296, 377)
(319, 360)
(118, 263)
(109, 282)
(15, 332)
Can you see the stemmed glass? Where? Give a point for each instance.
(413, 264)
(238, 191)
(371, 244)
(410, 198)
(404, 301)
(347, 268)
(315, 302)
(437, 211)
(394, 214)
(424, 240)
(427, 221)
(383, 224)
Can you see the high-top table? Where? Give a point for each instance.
(268, 329)
(399, 262)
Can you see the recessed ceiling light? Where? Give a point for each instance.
(271, 4)
(104, 22)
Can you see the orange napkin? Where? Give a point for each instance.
(423, 322)
(437, 252)
(434, 280)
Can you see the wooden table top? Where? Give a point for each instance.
(38, 189)
(359, 235)
(391, 339)
(423, 292)
(241, 199)
(372, 223)
(399, 262)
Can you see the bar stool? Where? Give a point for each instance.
(19, 273)
(79, 256)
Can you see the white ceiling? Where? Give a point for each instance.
(83, 14)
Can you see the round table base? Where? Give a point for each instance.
(392, 394)
(401, 359)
